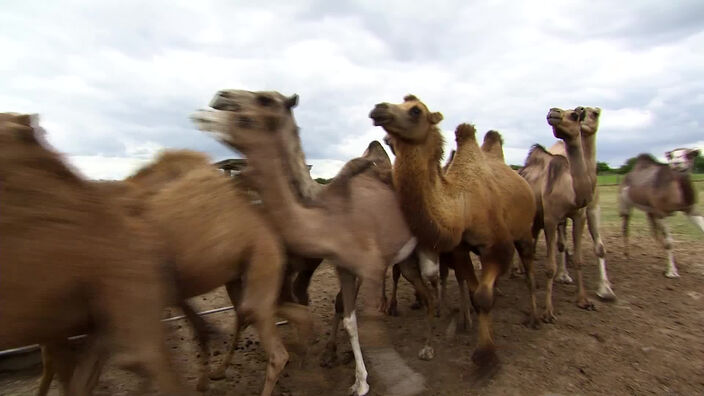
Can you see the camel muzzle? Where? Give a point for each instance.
(380, 114)
(222, 102)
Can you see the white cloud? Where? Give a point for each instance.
(118, 79)
(106, 168)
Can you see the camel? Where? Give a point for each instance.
(210, 232)
(660, 190)
(563, 188)
(71, 261)
(355, 221)
(588, 129)
(477, 204)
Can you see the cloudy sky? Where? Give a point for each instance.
(115, 81)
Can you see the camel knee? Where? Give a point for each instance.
(550, 272)
(484, 297)
(600, 250)
(560, 246)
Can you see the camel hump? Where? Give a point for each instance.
(465, 131)
(537, 155)
(171, 164)
(557, 166)
(493, 145)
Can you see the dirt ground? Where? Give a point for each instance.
(649, 341)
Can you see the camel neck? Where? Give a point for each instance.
(421, 191)
(299, 175)
(581, 179)
(589, 149)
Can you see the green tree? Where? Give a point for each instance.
(516, 167)
(322, 181)
(699, 164)
(603, 167)
(627, 166)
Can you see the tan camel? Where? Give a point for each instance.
(479, 203)
(660, 191)
(589, 127)
(355, 222)
(210, 232)
(563, 188)
(70, 262)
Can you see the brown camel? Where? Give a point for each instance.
(660, 191)
(589, 127)
(71, 261)
(563, 188)
(356, 221)
(478, 204)
(210, 232)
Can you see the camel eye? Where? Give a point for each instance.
(264, 101)
(574, 116)
(415, 111)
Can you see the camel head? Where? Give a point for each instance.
(682, 159)
(410, 120)
(591, 120)
(20, 131)
(566, 124)
(246, 119)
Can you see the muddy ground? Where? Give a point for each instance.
(649, 341)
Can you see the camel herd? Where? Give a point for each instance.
(105, 258)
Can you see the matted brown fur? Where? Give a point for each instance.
(71, 262)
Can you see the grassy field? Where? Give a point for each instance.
(680, 227)
(609, 179)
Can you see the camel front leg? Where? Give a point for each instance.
(662, 235)
(330, 354)
(593, 215)
(550, 230)
(392, 309)
(577, 230)
(412, 273)
(562, 275)
(349, 300)
(526, 255)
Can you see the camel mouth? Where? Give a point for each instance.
(553, 118)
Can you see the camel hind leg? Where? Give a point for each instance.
(261, 291)
(604, 290)
(234, 291)
(526, 255)
(411, 271)
(662, 235)
(200, 328)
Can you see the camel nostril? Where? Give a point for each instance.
(245, 122)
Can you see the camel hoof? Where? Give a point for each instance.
(672, 274)
(202, 385)
(605, 293)
(485, 358)
(586, 304)
(217, 375)
(427, 353)
(393, 309)
(549, 317)
(383, 306)
(329, 358)
(532, 322)
(564, 278)
(359, 389)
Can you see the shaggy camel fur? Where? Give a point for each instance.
(660, 191)
(479, 203)
(563, 188)
(210, 232)
(71, 262)
(356, 222)
(588, 129)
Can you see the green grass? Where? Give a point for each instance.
(680, 227)
(612, 178)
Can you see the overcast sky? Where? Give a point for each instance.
(115, 81)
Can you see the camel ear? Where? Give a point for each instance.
(668, 155)
(292, 101)
(582, 116)
(435, 117)
(693, 153)
(598, 110)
